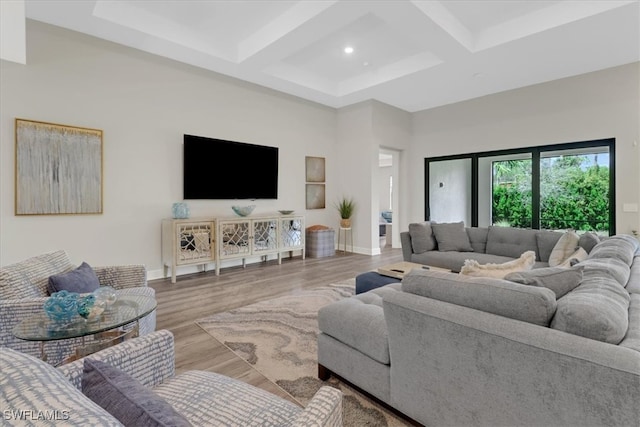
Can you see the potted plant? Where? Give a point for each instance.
(345, 209)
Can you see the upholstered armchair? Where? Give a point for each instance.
(24, 290)
(204, 398)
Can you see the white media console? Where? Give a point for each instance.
(200, 241)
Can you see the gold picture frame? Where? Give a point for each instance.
(58, 169)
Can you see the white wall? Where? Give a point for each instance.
(384, 188)
(597, 105)
(12, 31)
(144, 104)
(392, 132)
(355, 169)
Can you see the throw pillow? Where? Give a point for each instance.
(422, 239)
(588, 240)
(566, 246)
(81, 280)
(471, 267)
(546, 241)
(576, 257)
(559, 280)
(126, 398)
(452, 237)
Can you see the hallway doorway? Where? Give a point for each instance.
(388, 172)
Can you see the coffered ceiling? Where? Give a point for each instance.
(410, 54)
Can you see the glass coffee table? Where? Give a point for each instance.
(103, 332)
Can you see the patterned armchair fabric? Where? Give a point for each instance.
(23, 292)
(33, 388)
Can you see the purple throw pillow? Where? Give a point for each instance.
(81, 280)
(126, 398)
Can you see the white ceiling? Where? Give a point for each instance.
(410, 54)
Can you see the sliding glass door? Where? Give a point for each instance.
(450, 190)
(574, 189)
(555, 187)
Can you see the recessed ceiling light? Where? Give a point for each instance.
(348, 49)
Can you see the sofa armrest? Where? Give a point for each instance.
(122, 276)
(150, 359)
(407, 249)
(12, 312)
(323, 410)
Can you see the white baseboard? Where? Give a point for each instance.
(190, 269)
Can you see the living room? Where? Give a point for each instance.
(145, 104)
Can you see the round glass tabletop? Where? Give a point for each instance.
(126, 309)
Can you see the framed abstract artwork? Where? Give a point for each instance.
(314, 168)
(315, 196)
(58, 169)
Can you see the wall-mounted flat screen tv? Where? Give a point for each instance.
(221, 169)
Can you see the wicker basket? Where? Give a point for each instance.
(320, 243)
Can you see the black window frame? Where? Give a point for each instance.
(535, 153)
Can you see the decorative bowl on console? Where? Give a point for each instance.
(286, 212)
(243, 210)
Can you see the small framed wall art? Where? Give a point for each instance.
(315, 196)
(58, 169)
(315, 178)
(314, 168)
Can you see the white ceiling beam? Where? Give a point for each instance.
(441, 16)
(292, 19)
(556, 15)
(160, 27)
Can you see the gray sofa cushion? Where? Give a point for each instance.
(452, 237)
(422, 239)
(632, 337)
(478, 238)
(633, 284)
(606, 267)
(527, 303)
(511, 242)
(359, 322)
(559, 280)
(588, 241)
(546, 240)
(619, 246)
(597, 309)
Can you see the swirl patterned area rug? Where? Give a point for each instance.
(278, 337)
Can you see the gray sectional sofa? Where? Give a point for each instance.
(442, 245)
(453, 350)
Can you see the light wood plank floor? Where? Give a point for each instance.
(199, 295)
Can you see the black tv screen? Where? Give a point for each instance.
(221, 169)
